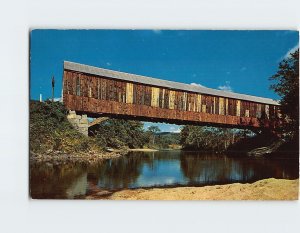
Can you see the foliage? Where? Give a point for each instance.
(168, 140)
(287, 87)
(117, 133)
(152, 131)
(209, 138)
(248, 143)
(50, 130)
(163, 140)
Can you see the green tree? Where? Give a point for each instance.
(120, 133)
(287, 87)
(51, 130)
(153, 130)
(208, 138)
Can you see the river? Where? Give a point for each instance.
(155, 169)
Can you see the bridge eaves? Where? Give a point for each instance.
(162, 83)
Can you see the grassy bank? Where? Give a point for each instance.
(51, 131)
(53, 139)
(268, 189)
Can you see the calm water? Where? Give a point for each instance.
(155, 169)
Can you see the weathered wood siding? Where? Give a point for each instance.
(94, 94)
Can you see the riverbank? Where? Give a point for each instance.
(58, 158)
(92, 157)
(267, 189)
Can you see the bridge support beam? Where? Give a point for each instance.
(98, 121)
(80, 122)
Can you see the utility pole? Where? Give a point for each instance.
(53, 83)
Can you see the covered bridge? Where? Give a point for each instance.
(100, 92)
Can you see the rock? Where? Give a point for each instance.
(50, 165)
(103, 193)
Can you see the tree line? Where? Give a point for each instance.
(118, 133)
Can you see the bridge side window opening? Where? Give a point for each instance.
(71, 89)
(238, 108)
(246, 106)
(166, 98)
(180, 100)
(183, 101)
(277, 112)
(161, 97)
(232, 107)
(78, 86)
(66, 83)
(203, 103)
(140, 94)
(124, 92)
(252, 109)
(114, 91)
(83, 86)
(89, 88)
(148, 96)
(207, 104)
(109, 90)
(272, 112)
(214, 107)
(247, 113)
(94, 93)
(198, 102)
(98, 89)
(258, 111)
(216, 100)
(267, 111)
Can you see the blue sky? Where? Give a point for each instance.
(238, 61)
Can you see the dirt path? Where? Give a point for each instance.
(268, 189)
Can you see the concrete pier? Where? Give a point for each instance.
(80, 122)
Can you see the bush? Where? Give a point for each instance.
(51, 130)
(120, 133)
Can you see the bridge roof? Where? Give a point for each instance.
(162, 83)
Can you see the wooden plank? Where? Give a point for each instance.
(214, 105)
(226, 109)
(163, 98)
(171, 99)
(184, 101)
(129, 93)
(198, 103)
(221, 106)
(155, 97)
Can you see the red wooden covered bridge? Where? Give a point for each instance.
(100, 92)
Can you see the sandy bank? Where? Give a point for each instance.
(144, 150)
(268, 189)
